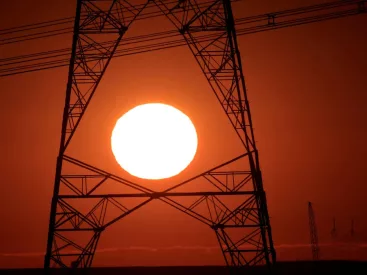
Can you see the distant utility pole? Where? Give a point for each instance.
(352, 229)
(333, 230)
(313, 233)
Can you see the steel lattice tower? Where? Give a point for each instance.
(74, 230)
(352, 228)
(313, 233)
(333, 231)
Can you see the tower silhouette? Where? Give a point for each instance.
(333, 230)
(313, 233)
(243, 231)
(352, 232)
(207, 28)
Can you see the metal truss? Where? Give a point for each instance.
(232, 200)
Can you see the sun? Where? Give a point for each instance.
(154, 141)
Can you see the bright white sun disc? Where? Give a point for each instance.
(154, 141)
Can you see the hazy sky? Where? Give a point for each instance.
(307, 90)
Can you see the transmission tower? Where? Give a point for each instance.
(333, 230)
(313, 233)
(243, 231)
(352, 228)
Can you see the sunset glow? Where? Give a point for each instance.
(154, 141)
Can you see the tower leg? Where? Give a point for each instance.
(98, 28)
(219, 59)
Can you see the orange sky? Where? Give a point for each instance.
(306, 87)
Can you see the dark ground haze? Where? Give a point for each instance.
(299, 268)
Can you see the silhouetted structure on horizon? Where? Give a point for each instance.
(313, 233)
(352, 228)
(333, 230)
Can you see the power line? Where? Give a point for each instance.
(37, 25)
(65, 30)
(144, 15)
(168, 39)
(56, 22)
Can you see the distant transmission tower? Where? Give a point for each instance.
(313, 233)
(333, 230)
(352, 228)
